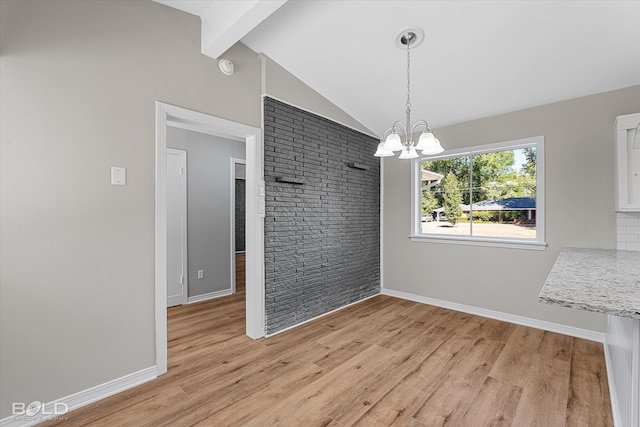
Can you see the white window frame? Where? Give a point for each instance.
(538, 243)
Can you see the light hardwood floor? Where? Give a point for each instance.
(381, 362)
(240, 271)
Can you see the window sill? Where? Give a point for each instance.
(480, 241)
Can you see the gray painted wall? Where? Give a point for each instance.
(208, 207)
(240, 214)
(322, 239)
(282, 85)
(579, 138)
(79, 83)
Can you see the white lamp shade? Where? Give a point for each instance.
(393, 142)
(431, 145)
(410, 153)
(426, 138)
(382, 152)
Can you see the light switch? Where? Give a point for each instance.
(118, 175)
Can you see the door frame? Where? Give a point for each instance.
(171, 115)
(183, 219)
(235, 161)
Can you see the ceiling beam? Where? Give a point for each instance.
(224, 23)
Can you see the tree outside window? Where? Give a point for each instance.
(489, 193)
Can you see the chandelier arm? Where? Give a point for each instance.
(419, 123)
(400, 125)
(392, 129)
(405, 139)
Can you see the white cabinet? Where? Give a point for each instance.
(628, 163)
(622, 348)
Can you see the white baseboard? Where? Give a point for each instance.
(319, 316)
(210, 295)
(613, 393)
(498, 315)
(81, 398)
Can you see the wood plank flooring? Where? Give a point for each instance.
(381, 362)
(240, 271)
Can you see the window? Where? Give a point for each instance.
(486, 195)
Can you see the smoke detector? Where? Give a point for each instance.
(226, 66)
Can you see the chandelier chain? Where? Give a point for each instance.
(408, 76)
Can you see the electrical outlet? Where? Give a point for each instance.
(200, 274)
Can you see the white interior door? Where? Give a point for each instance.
(176, 227)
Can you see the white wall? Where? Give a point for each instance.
(579, 137)
(208, 207)
(79, 81)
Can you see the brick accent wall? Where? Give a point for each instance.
(322, 231)
(240, 214)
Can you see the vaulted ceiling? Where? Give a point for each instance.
(478, 58)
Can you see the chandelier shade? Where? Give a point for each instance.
(399, 137)
(408, 153)
(393, 142)
(382, 151)
(429, 144)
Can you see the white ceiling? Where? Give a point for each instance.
(479, 58)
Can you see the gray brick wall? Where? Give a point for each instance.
(322, 237)
(240, 214)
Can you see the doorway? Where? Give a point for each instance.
(209, 270)
(169, 115)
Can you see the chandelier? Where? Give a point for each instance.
(399, 137)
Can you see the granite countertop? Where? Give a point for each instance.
(601, 280)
